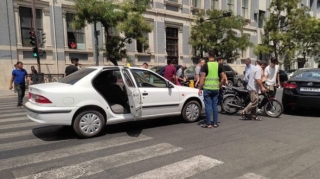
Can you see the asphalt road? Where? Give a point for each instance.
(285, 147)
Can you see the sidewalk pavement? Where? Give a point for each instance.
(9, 93)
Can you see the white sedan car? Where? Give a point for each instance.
(92, 97)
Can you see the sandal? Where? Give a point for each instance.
(243, 114)
(206, 126)
(215, 125)
(257, 119)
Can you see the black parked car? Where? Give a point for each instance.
(302, 90)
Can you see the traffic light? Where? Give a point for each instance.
(32, 38)
(35, 52)
(42, 37)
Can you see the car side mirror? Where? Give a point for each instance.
(169, 85)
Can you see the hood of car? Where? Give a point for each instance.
(187, 89)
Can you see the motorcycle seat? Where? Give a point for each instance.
(240, 90)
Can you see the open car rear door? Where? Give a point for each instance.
(133, 93)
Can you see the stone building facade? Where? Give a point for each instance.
(171, 21)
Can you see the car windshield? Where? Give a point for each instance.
(290, 71)
(76, 76)
(307, 75)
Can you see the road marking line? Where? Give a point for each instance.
(42, 129)
(252, 176)
(14, 119)
(12, 115)
(182, 169)
(26, 143)
(66, 152)
(12, 109)
(98, 165)
(26, 124)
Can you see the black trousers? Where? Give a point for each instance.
(21, 89)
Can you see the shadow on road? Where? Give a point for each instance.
(54, 133)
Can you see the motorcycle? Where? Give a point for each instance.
(232, 103)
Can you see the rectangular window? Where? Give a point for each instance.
(245, 6)
(196, 3)
(140, 47)
(172, 43)
(231, 5)
(26, 23)
(261, 19)
(311, 3)
(76, 38)
(215, 4)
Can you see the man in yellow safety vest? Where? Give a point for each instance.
(212, 78)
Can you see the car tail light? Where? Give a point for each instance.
(29, 95)
(42, 99)
(289, 85)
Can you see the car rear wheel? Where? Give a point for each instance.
(191, 111)
(88, 123)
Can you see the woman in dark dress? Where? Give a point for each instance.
(34, 75)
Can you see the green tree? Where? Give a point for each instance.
(126, 17)
(307, 31)
(280, 36)
(220, 34)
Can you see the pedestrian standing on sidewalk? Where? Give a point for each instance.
(210, 84)
(254, 86)
(34, 75)
(73, 67)
(19, 75)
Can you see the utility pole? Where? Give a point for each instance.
(96, 45)
(36, 49)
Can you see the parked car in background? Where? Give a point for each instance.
(302, 90)
(283, 77)
(156, 68)
(290, 72)
(93, 97)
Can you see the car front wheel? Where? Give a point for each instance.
(88, 123)
(191, 111)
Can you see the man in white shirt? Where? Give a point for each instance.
(247, 71)
(271, 78)
(197, 72)
(254, 87)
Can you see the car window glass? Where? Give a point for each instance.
(308, 75)
(190, 69)
(128, 79)
(147, 79)
(76, 76)
(227, 68)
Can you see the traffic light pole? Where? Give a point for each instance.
(35, 29)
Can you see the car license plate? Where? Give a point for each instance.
(310, 89)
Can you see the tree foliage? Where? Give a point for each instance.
(283, 29)
(225, 35)
(126, 17)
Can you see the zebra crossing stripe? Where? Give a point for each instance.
(98, 165)
(12, 126)
(251, 176)
(41, 129)
(12, 109)
(70, 151)
(11, 115)
(24, 119)
(182, 169)
(26, 143)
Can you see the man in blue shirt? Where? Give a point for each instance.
(18, 77)
(247, 72)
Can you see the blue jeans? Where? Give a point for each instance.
(211, 103)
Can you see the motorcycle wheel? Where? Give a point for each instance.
(233, 100)
(273, 108)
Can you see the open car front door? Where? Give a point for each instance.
(134, 96)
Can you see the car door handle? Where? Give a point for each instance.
(145, 94)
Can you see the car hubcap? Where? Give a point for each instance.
(192, 111)
(90, 123)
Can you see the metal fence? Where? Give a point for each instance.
(45, 78)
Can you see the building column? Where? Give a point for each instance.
(47, 27)
(17, 22)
